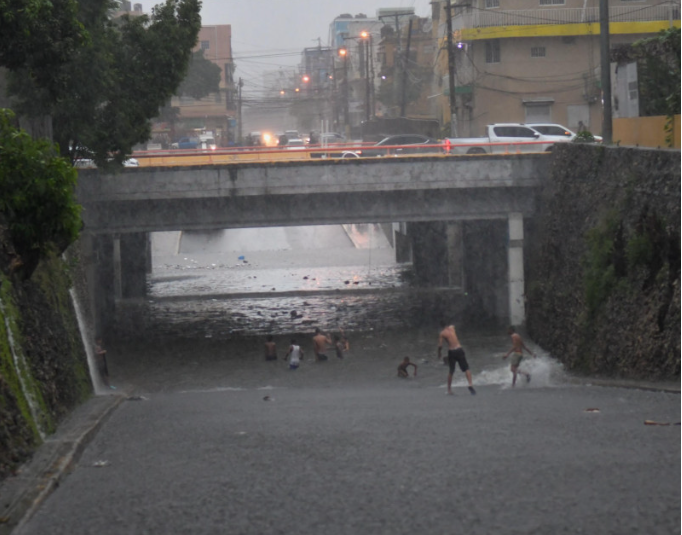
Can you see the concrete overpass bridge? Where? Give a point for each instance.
(457, 214)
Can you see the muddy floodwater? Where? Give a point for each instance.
(203, 295)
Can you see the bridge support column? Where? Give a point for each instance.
(437, 252)
(517, 307)
(134, 263)
(103, 292)
(401, 243)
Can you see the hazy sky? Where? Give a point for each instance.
(267, 34)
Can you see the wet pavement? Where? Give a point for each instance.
(358, 454)
(205, 436)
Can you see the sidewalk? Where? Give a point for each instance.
(21, 495)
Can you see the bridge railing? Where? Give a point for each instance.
(179, 157)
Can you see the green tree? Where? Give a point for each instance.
(113, 87)
(38, 35)
(36, 195)
(658, 65)
(411, 81)
(203, 77)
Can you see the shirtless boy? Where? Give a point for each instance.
(270, 349)
(517, 349)
(320, 343)
(455, 355)
(402, 368)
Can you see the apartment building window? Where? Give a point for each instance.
(538, 52)
(552, 2)
(492, 3)
(492, 51)
(205, 45)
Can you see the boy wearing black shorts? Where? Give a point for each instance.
(455, 355)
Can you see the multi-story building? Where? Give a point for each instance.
(216, 113)
(537, 60)
(353, 41)
(128, 8)
(406, 58)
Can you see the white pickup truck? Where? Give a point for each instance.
(499, 139)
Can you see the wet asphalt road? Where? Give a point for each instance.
(387, 457)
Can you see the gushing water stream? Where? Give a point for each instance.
(86, 335)
(25, 380)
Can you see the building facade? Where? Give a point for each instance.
(538, 60)
(216, 113)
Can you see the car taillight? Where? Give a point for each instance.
(447, 146)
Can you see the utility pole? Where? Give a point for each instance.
(403, 100)
(368, 37)
(371, 59)
(605, 46)
(451, 71)
(239, 111)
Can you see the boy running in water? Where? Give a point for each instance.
(517, 349)
(455, 355)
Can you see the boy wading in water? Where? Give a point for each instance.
(295, 354)
(270, 349)
(320, 343)
(455, 355)
(517, 355)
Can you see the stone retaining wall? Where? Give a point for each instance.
(603, 262)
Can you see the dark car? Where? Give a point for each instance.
(409, 144)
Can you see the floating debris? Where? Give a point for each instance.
(652, 422)
(100, 464)
(592, 410)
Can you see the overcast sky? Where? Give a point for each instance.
(267, 34)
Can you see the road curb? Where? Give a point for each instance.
(22, 494)
(670, 388)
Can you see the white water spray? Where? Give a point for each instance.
(86, 336)
(544, 370)
(24, 375)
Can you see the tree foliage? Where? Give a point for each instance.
(203, 77)
(410, 84)
(36, 194)
(116, 84)
(38, 35)
(658, 64)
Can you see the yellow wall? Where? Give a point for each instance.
(645, 131)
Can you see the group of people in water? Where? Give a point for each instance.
(456, 356)
(321, 344)
(447, 337)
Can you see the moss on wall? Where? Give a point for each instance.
(603, 263)
(38, 323)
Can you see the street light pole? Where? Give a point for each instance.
(343, 53)
(366, 35)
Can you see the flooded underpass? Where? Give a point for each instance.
(216, 296)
